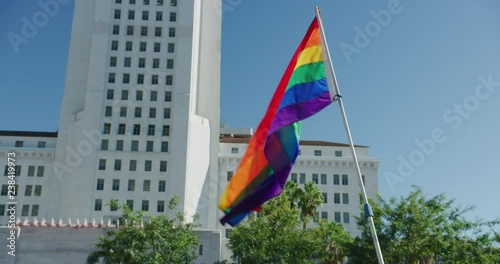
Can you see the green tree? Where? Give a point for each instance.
(162, 239)
(417, 229)
(277, 235)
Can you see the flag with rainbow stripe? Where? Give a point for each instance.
(273, 149)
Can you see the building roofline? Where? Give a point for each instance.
(245, 140)
(28, 134)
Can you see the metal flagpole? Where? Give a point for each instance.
(334, 90)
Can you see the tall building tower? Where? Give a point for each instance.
(140, 114)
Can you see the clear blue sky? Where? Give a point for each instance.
(414, 76)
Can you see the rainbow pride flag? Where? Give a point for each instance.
(273, 149)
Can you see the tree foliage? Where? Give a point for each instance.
(162, 239)
(417, 229)
(278, 234)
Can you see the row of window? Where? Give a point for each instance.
(146, 2)
(32, 170)
(30, 190)
(160, 205)
(154, 79)
(141, 63)
(319, 153)
(321, 178)
(134, 146)
(25, 210)
(336, 198)
(136, 128)
(146, 186)
(20, 144)
(145, 15)
(148, 164)
(139, 95)
(108, 112)
(337, 216)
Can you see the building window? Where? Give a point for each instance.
(138, 95)
(152, 112)
(140, 78)
(106, 129)
(118, 1)
(19, 144)
(142, 63)
(163, 166)
(317, 153)
(338, 153)
(173, 2)
(134, 146)
(229, 175)
(145, 2)
(102, 164)
(130, 30)
(132, 166)
(147, 165)
(154, 79)
(100, 184)
(114, 45)
(146, 186)
(118, 165)
(160, 207)
(149, 146)
(168, 96)
(40, 170)
(126, 79)
(345, 179)
(324, 215)
(137, 112)
(118, 14)
(130, 204)
(171, 32)
(302, 178)
(108, 111)
(151, 130)
(171, 48)
(137, 129)
(127, 62)
(325, 197)
(159, 16)
(145, 205)
(234, 150)
(28, 190)
(116, 185)
(173, 16)
(157, 31)
(112, 61)
(144, 31)
(116, 29)
(161, 186)
(34, 210)
(336, 179)
(164, 146)
(169, 79)
(38, 190)
(26, 210)
(119, 145)
(111, 78)
(131, 14)
(121, 129)
(156, 63)
(98, 205)
(123, 112)
(113, 207)
(315, 178)
(159, 2)
(345, 198)
(337, 217)
(104, 144)
(109, 94)
(165, 131)
(31, 171)
(200, 250)
(142, 46)
(5, 190)
(166, 113)
(157, 47)
(132, 2)
(346, 218)
(145, 15)
(323, 178)
(42, 144)
(294, 177)
(131, 185)
(363, 179)
(2, 209)
(128, 46)
(170, 63)
(336, 198)
(153, 96)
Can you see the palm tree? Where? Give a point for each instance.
(309, 200)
